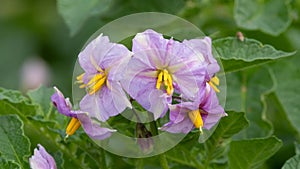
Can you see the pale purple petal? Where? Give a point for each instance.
(211, 105)
(94, 52)
(154, 44)
(101, 53)
(63, 105)
(41, 159)
(203, 51)
(179, 120)
(106, 102)
(93, 130)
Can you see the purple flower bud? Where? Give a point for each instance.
(41, 159)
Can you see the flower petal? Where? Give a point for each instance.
(203, 50)
(100, 53)
(41, 159)
(105, 103)
(154, 44)
(94, 130)
(63, 105)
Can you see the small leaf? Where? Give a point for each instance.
(14, 145)
(292, 163)
(41, 97)
(76, 12)
(250, 154)
(237, 55)
(228, 126)
(270, 16)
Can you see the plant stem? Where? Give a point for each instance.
(163, 161)
(102, 159)
(162, 157)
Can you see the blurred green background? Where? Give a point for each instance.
(31, 30)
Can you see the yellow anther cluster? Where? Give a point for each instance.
(196, 118)
(72, 126)
(214, 82)
(166, 78)
(94, 84)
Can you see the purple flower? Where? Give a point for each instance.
(104, 64)
(41, 159)
(78, 118)
(204, 112)
(158, 68)
(203, 49)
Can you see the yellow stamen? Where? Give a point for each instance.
(80, 77)
(95, 79)
(196, 118)
(82, 86)
(166, 78)
(214, 82)
(159, 80)
(97, 86)
(72, 126)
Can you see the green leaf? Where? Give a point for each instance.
(297, 148)
(237, 55)
(42, 97)
(38, 130)
(250, 154)
(186, 153)
(15, 98)
(246, 92)
(76, 12)
(270, 16)
(287, 88)
(9, 164)
(14, 145)
(228, 126)
(292, 163)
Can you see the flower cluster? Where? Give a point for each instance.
(160, 74)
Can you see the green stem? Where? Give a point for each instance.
(162, 157)
(102, 159)
(140, 163)
(163, 161)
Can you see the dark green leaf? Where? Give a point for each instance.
(292, 163)
(246, 92)
(9, 164)
(15, 98)
(41, 97)
(269, 16)
(297, 148)
(287, 88)
(237, 55)
(250, 154)
(228, 126)
(38, 130)
(76, 12)
(14, 145)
